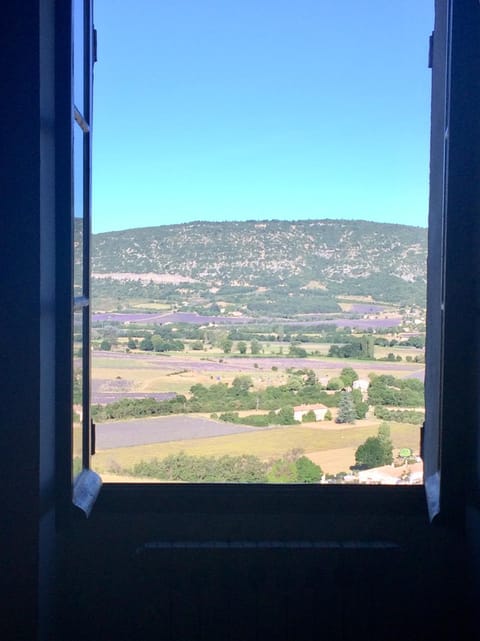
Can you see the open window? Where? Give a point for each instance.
(453, 200)
(254, 96)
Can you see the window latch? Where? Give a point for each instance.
(422, 440)
(94, 46)
(93, 434)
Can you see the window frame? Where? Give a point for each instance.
(82, 488)
(450, 432)
(82, 119)
(455, 163)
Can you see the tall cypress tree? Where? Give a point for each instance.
(346, 409)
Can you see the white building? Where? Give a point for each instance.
(319, 410)
(362, 384)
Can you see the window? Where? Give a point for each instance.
(262, 103)
(452, 207)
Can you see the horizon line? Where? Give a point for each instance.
(263, 220)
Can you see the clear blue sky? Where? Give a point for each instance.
(253, 109)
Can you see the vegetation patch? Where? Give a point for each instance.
(293, 468)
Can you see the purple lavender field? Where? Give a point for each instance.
(162, 430)
(366, 308)
(235, 364)
(197, 319)
(173, 317)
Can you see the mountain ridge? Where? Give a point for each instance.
(386, 261)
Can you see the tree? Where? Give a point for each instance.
(255, 346)
(146, 344)
(368, 346)
(286, 416)
(310, 377)
(298, 352)
(335, 383)
(226, 345)
(361, 408)
(166, 344)
(376, 450)
(159, 344)
(242, 384)
(309, 417)
(370, 453)
(348, 376)
(384, 437)
(132, 343)
(308, 471)
(106, 345)
(242, 347)
(346, 409)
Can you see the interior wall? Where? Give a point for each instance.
(337, 571)
(27, 435)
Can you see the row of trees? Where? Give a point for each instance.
(362, 348)
(246, 468)
(400, 416)
(302, 387)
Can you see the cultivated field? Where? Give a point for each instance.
(160, 373)
(330, 445)
(133, 373)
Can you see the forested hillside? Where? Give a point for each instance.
(252, 265)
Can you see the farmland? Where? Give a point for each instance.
(206, 344)
(334, 449)
(123, 373)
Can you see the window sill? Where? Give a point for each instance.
(224, 499)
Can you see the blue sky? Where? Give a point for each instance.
(261, 109)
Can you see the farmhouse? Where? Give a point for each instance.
(319, 410)
(362, 384)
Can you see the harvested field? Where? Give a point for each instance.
(334, 461)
